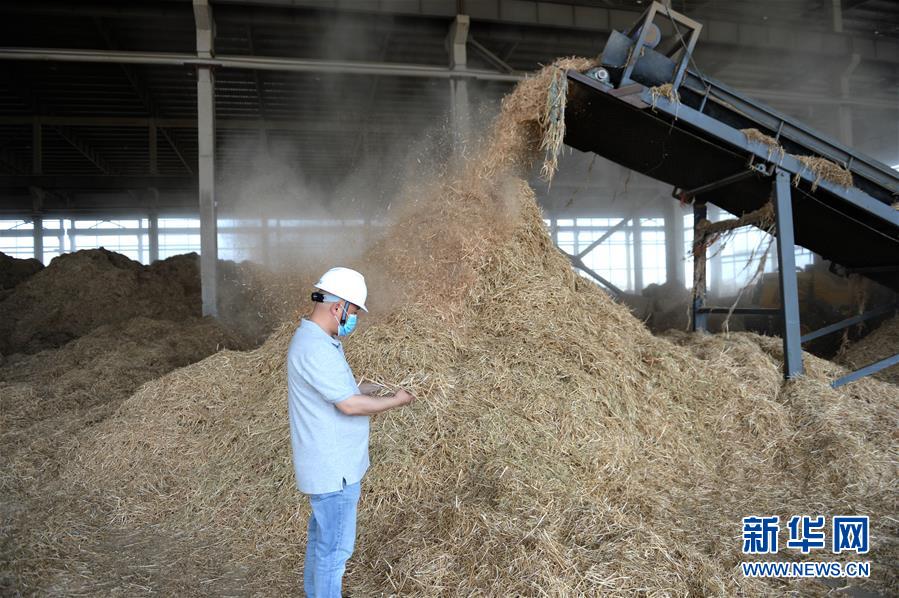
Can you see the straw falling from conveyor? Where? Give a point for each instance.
(557, 448)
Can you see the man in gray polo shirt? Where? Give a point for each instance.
(329, 416)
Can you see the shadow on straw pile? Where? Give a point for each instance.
(883, 342)
(13, 271)
(558, 447)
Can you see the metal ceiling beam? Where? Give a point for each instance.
(351, 67)
(84, 148)
(11, 162)
(317, 126)
(177, 149)
(26, 92)
(140, 88)
(492, 58)
(534, 16)
(297, 65)
(137, 84)
(119, 182)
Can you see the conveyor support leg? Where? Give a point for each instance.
(700, 319)
(786, 263)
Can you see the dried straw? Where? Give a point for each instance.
(824, 169)
(775, 150)
(709, 231)
(881, 343)
(521, 130)
(558, 448)
(49, 398)
(552, 121)
(666, 91)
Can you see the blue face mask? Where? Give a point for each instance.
(348, 321)
(346, 329)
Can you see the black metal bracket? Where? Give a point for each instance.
(752, 169)
(743, 174)
(844, 271)
(645, 27)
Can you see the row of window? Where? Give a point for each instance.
(129, 237)
(731, 266)
(239, 239)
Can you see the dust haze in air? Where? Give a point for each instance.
(284, 200)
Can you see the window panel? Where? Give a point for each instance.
(52, 248)
(17, 238)
(180, 235)
(653, 252)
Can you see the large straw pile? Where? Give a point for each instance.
(81, 291)
(558, 448)
(54, 394)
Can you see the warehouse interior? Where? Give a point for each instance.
(108, 146)
(223, 152)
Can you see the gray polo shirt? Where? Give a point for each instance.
(328, 446)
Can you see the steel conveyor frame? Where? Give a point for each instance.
(707, 116)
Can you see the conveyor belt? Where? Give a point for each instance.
(650, 113)
(697, 142)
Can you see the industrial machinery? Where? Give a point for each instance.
(676, 125)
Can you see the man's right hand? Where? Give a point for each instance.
(403, 397)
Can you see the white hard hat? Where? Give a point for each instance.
(347, 284)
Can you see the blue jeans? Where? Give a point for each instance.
(329, 540)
